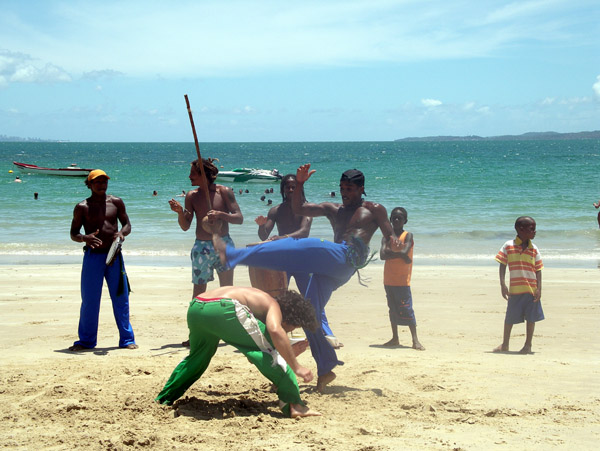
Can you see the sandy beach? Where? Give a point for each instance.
(455, 395)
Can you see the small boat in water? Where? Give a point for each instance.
(72, 170)
(248, 175)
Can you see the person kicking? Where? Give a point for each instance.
(332, 264)
(257, 325)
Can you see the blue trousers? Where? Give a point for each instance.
(302, 280)
(93, 272)
(327, 261)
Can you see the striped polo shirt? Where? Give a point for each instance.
(522, 265)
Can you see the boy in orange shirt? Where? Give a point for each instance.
(525, 273)
(396, 278)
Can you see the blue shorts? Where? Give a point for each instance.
(205, 260)
(399, 301)
(521, 307)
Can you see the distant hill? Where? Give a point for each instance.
(531, 136)
(4, 138)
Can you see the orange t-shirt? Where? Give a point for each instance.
(396, 272)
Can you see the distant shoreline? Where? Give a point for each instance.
(530, 136)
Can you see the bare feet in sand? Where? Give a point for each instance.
(77, 348)
(132, 346)
(526, 350)
(392, 342)
(418, 346)
(323, 380)
(298, 410)
(500, 348)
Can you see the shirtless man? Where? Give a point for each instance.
(257, 325)
(292, 225)
(225, 210)
(99, 215)
(332, 263)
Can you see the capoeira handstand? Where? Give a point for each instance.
(257, 325)
(331, 263)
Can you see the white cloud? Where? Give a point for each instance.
(548, 101)
(596, 86)
(207, 38)
(21, 68)
(431, 102)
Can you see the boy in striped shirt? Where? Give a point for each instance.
(525, 273)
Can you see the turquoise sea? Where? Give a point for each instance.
(462, 197)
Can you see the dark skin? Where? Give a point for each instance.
(99, 215)
(355, 217)
(391, 250)
(225, 210)
(288, 223)
(265, 308)
(526, 232)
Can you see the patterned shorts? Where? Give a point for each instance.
(205, 260)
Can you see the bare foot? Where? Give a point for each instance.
(323, 380)
(500, 348)
(392, 342)
(77, 348)
(220, 247)
(418, 346)
(299, 347)
(185, 344)
(334, 342)
(132, 346)
(298, 410)
(526, 350)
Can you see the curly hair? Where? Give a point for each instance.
(210, 169)
(297, 311)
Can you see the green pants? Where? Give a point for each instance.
(211, 320)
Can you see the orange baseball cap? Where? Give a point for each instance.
(97, 173)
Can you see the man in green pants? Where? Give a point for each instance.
(257, 325)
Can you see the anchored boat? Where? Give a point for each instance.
(72, 170)
(249, 175)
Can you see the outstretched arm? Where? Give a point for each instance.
(282, 342)
(299, 204)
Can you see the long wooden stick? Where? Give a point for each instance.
(201, 164)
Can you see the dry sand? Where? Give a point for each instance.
(455, 395)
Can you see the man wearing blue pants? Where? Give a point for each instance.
(291, 225)
(331, 263)
(99, 215)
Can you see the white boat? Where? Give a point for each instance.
(72, 170)
(249, 175)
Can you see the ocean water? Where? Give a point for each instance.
(462, 197)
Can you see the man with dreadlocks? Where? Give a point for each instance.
(289, 224)
(225, 210)
(331, 263)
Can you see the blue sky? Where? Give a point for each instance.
(351, 70)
